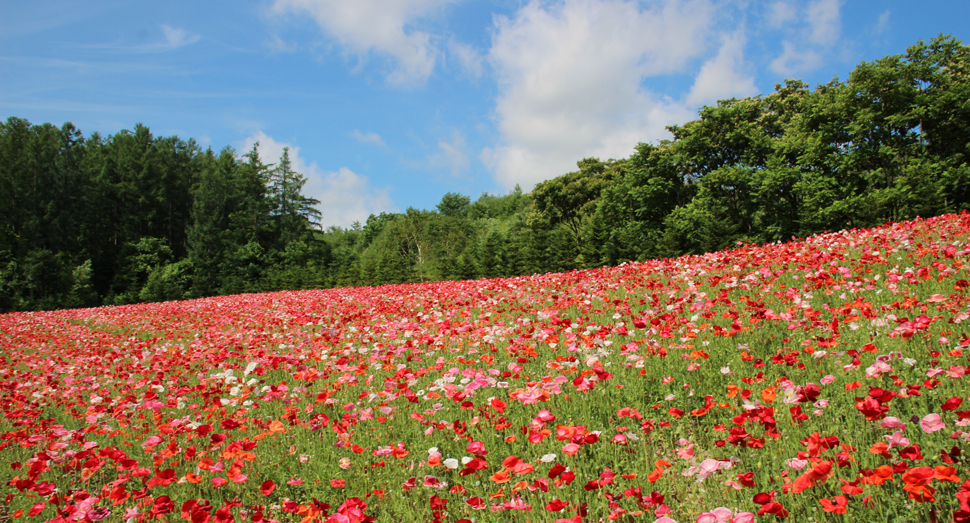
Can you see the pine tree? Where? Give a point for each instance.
(294, 214)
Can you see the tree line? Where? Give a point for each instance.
(131, 217)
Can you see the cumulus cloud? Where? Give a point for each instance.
(382, 27)
(722, 77)
(571, 75)
(345, 196)
(373, 138)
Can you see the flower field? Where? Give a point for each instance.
(819, 380)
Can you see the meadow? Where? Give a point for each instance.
(818, 380)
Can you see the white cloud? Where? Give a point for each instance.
(176, 37)
(722, 77)
(278, 45)
(780, 13)
(383, 27)
(883, 23)
(469, 58)
(570, 81)
(373, 138)
(795, 59)
(452, 155)
(345, 196)
(811, 38)
(825, 22)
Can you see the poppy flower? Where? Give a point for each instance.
(931, 423)
(836, 505)
(952, 404)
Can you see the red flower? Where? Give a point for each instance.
(952, 403)
(162, 505)
(556, 505)
(836, 505)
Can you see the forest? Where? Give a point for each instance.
(131, 217)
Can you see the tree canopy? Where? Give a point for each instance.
(133, 217)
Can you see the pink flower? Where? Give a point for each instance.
(931, 423)
(686, 452)
(570, 449)
(744, 517)
(828, 379)
(897, 440)
(718, 515)
(892, 422)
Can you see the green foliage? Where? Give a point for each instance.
(454, 205)
(133, 217)
(167, 282)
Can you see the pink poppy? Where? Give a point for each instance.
(897, 440)
(892, 422)
(570, 449)
(931, 423)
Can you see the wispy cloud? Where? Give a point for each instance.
(796, 59)
(373, 138)
(825, 21)
(813, 35)
(278, 45)
(176, 37)
(883, 23)
(467, 56)
(780, 13)
(172, 38)
(452, 154)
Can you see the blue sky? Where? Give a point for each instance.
(389, 104)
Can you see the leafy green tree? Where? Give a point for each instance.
(454, 205)
(171, 281)
(140, 259)
(570, 199)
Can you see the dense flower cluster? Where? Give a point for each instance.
(824, 376)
